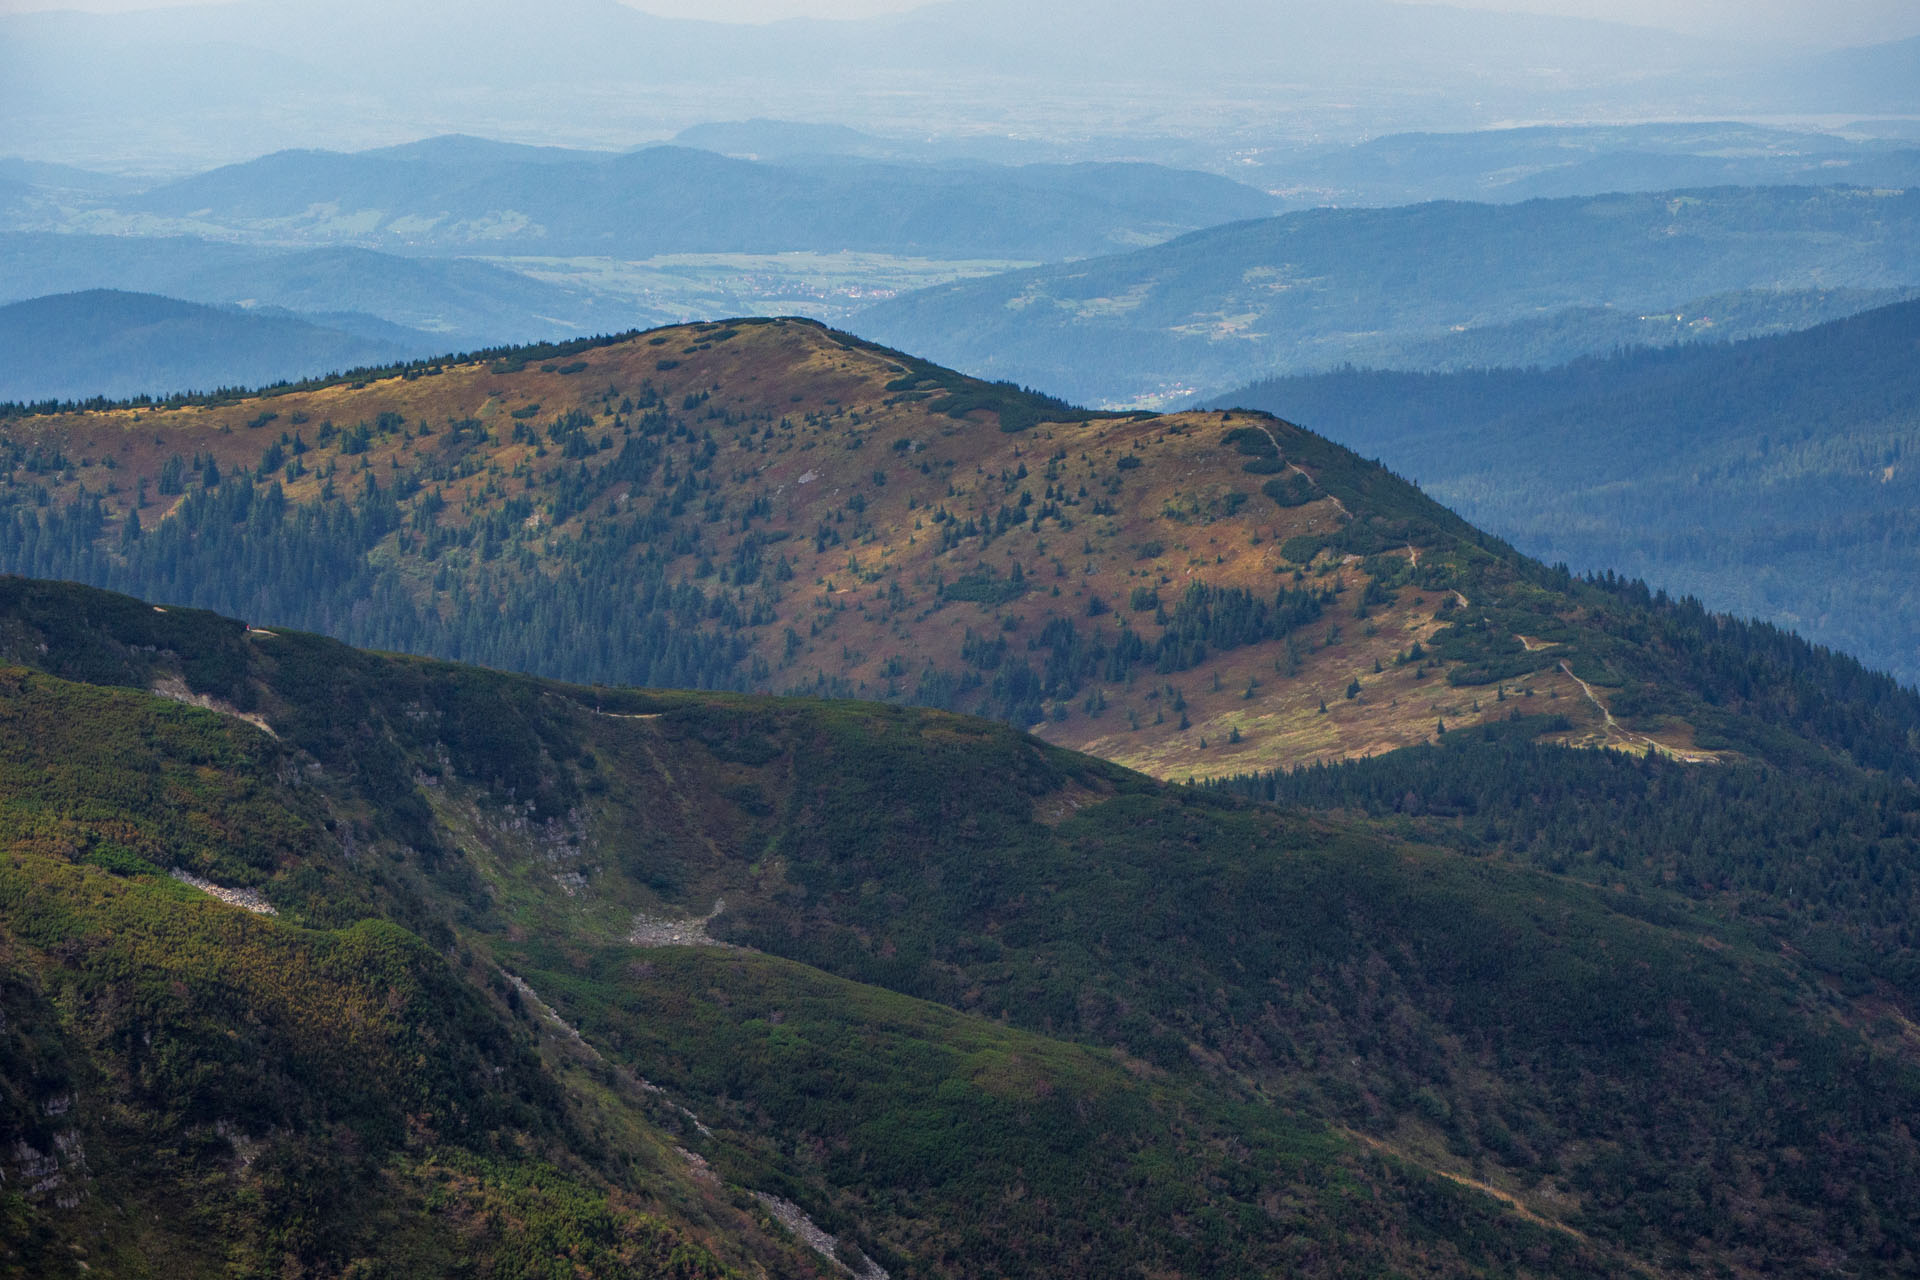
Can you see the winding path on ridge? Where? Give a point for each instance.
(1296, 469)
(1614, 728)
(1511, 1201)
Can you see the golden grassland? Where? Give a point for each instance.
(825, 433)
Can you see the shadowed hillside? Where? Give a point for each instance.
(107, 343)
(360, 963)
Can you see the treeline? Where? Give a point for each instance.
(608, 614)
(520, 354)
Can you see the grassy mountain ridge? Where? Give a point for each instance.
(1152, 1028)
(1739, 473)
(1254, 299)
(774, 506)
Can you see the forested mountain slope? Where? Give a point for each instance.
(288, 969)
(1777, 478)
(1575, 333)
(1306, 291)
(772, 506)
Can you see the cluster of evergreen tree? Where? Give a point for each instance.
(1752, 686)
(1071, 655)
(1827, 862)
(602, 609)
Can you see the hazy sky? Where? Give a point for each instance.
(1823, 22)
(1818, 22)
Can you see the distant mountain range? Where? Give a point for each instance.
(1503, 165)
(577, 243)
(460, 195)
(762, 186)
(1871, 78)
(63, 177)
(463, 304)
(1548, 161)
(105, 342)
(1306, 291)
(1434, 286)
(1777, 478)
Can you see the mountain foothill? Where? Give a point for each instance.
(332, 962)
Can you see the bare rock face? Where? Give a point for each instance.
(246, 899)
(794, 1218)
(57, 1175)
(660, 931)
